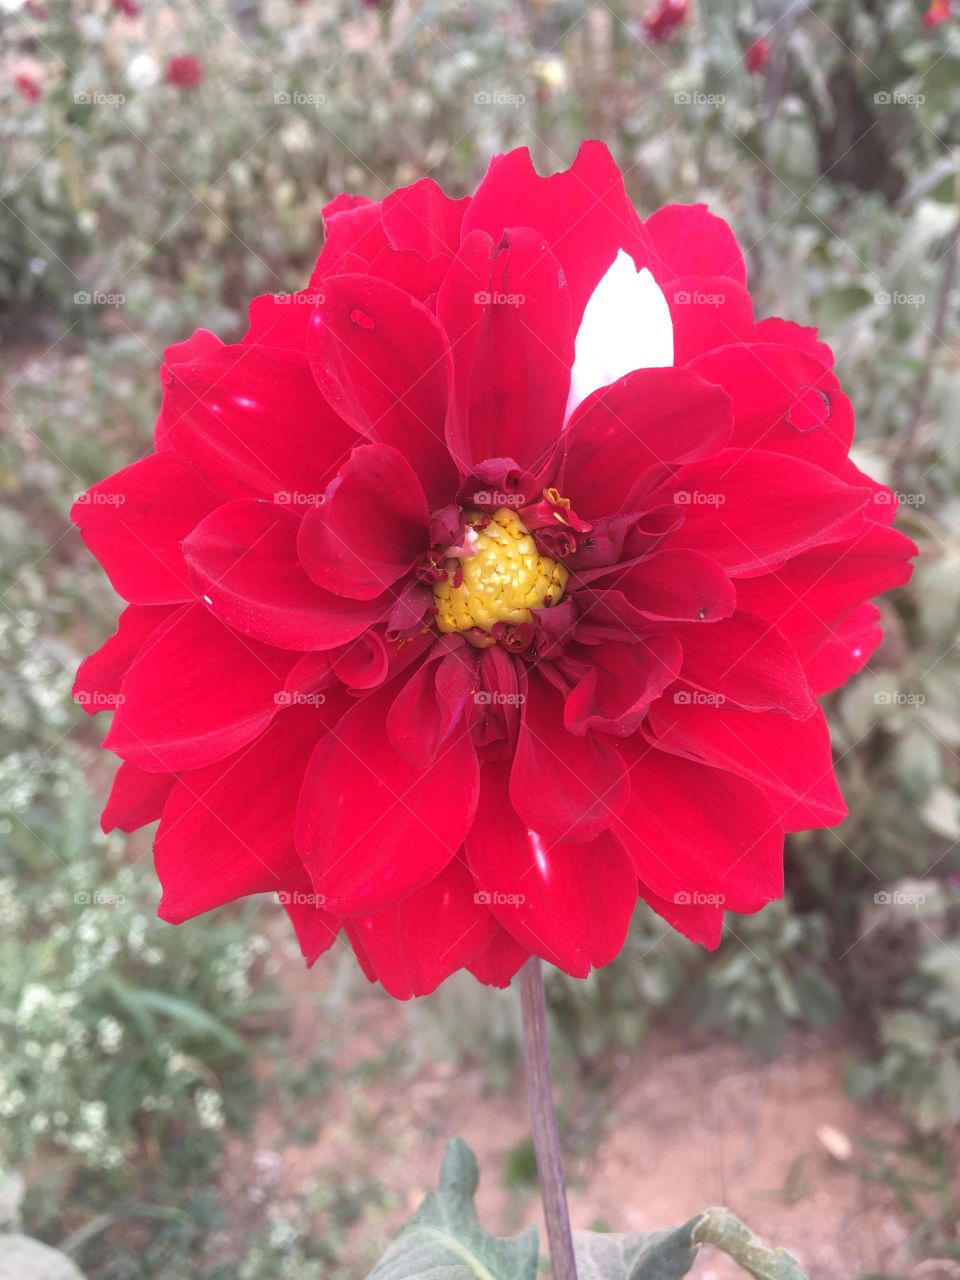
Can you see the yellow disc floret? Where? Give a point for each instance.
(504, 578)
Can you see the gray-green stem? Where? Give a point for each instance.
(543, 1121)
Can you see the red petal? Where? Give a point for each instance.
(568, 903)
(496, 965)
(136, 798)
(808, 595)
(382, 361)
(281, 319)
(750, 510)
(790, 760)
(251, 419)
(200, 342)
(747, 661)
(371, 528)
(583, 213)
(227, 830)
(98, 681)
(622, 682)
(784, 399)
(134, 522)
(850, 647)
(315, 928)
(650, 417)
(244, 563)
(698, 922)
(506, 311)
(805, 337)
(707, 312)
(431, 703)
(565, 787)
(699, 836)
(372, 826)
(430, 935)
(423, 218)
(351, 226)
(196, 694)
(676, 586)
(689, 240)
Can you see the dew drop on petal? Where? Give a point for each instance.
(809, 409)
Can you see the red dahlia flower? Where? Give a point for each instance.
(757, 56)
(937, 12)
(488, 584)
(662, 22)
(27, 86)
(185, 71)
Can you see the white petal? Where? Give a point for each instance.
(626, 325)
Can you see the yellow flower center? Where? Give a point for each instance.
(502, 581)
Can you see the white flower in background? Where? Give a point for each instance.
(143, 72)
(551, 71)
(92, 28)
(11, 6)
(209, 1106)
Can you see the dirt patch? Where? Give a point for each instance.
(681, 1126)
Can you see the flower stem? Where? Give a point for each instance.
(543, 1120)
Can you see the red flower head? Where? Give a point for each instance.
(662, 22)
(757, 56)
(27, 86)
(488, 584)
(185, 71)
(937, 12)
(132, 9)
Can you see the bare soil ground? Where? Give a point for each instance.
(679, 1128)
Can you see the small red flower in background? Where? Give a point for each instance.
(757, 56)
(488, 584)
(36, 10)
(27, 86)
(184, 71)
(662, 23)
(129, 8)
(937, 12)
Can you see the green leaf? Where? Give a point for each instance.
(190, 1016)
(655, 1255)
(720, 1228)
(444, 1241)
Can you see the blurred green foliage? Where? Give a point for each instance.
(132, 211)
